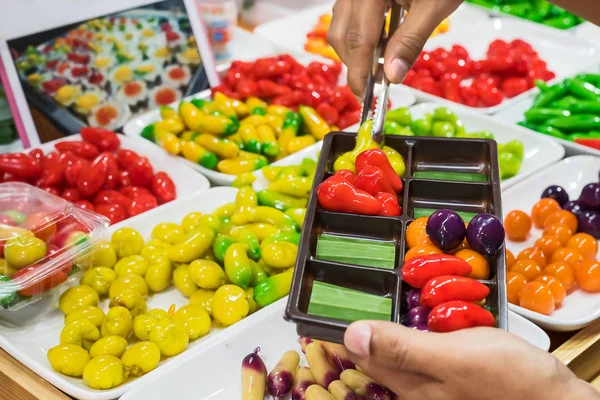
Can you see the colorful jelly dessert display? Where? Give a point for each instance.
(330, 374)
(444, 123)
(563, 258)
(366, 256)
(233, 136)
(453, 75)
(95, 173)
(567, 110)
(541, 12)
(229, 263)
(105, 69)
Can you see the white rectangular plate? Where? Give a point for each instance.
(219, 366)
(29, 333)
(187, 182)
(289, 33)
(579, 308)
(565, 55)
(516, 113)
(540, 151)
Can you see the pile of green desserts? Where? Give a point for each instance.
(444, 123)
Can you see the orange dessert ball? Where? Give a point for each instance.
(560, 231)
(562, 217)
(528, 268)
(510, 259)
(542, 210)
(517, 225)
(536, 296)
(548, 245)
(563, 271)
(514, 283)
(555, 285)
(586, 244)
(571, 256)
(478, 263)
(415, 233)
(535, 254)
(421, 250)
(587, 273)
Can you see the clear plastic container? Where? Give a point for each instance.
(45, 241)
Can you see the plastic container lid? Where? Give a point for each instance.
(44, 242)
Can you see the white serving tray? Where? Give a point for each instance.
(565, 55)
(289, 33)
(579, 308)
(516, 113)
(187, 182)
(216, 373)
(29, 333)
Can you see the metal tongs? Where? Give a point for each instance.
(377, 73)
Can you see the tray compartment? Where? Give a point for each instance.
(383, 229)
(374, 281)
(472, 156)
(469, 197)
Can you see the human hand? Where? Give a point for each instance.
(356, 27)
(478, 364)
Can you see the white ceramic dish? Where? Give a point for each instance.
(588, 31)
(565, 55)
(540, 151)
(579, 308)
(28, 334)
(516, 112)
(187, 182)
(222, 361)
(399, 96)
(289, 33)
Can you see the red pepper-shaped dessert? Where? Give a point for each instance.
(391, 208)
(455, 315)
(419, 270)
(377, 158)
(373, 180)
(451, 287)
(337, 194)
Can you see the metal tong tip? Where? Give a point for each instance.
(397, 15)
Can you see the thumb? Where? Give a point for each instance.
(392, 346)
(406, 44)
